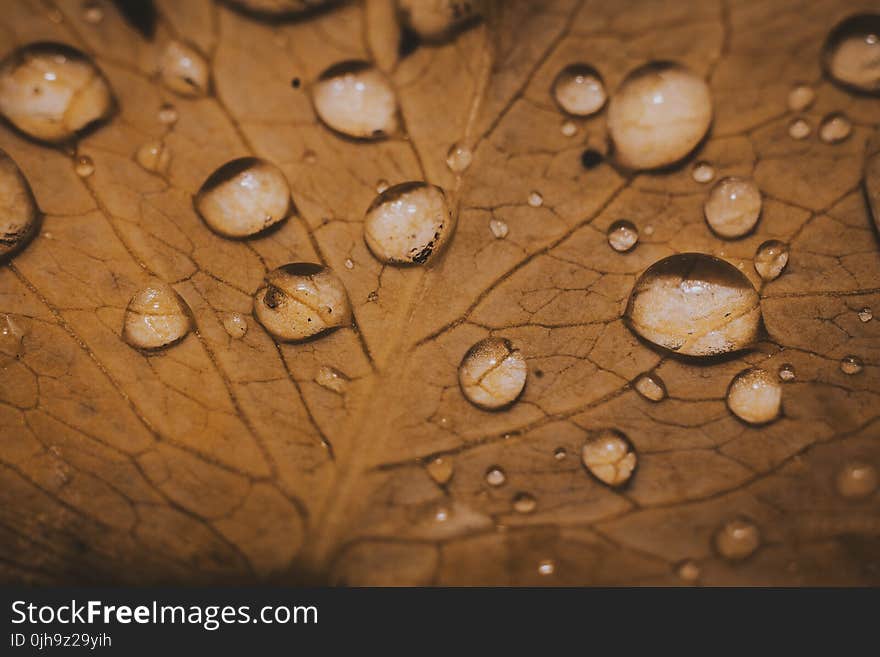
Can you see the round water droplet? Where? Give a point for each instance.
(51, 92)
(84, 166)
(703, 172)
(153, 156)
(243, 197)
(568, 128)
(524, 503)
(695, 304)
(168, 114)
(689, 571)
(851, 56)
(19, 218)
(857, 480)
(578, 89)
(155, 317)
(93, 13)
(546, 567)
(301, 300)
(560, 453)
(492, 373)
(650, 386)
(440, 469)
(331, 379)
(622, 235)
(609, 457)
(866, 314)
(800, 97)
(851, 365)
(737, 539)
(408, 223)
(835, 128)
(459, 158)
(495, 476)
(732, 207)
(770, 259)
(184, 70)
(439, 18)
(786, 372)
(499, 228)
(658, 115)
(535, 199)
(357, 100)
(755, 396)
(799, 129)
(235, 325)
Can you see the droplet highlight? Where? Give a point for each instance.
(156, 317)
(755, 396)
(787, 372)
(492, 373)
(732, 207)
(357, 100)
(578, 90)
(609, 457)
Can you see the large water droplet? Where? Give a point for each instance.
(857, 480)
(737, 539)
(696, 305)
(243, 197)
(440, 469)
(622, 235)
(835, 128)
(851, 365)
(357, 100)
(732, 207)
(755, 396)
(492, 373)
(650, 386)
(184, 70)
(331, 379)
(51, 92)
(658, 115)
(459, 158)
(524, 503)
(408, 223)
(770, 259)
(800, 97)
(578, 89)
(851, 56)
(439, 18)
(799, 129)
(865, 315)
(786, 372)
(235, 325)
(301, 300)
(703, 172)
(153, 156)
(19, 217)
(495, 476)
(155, 317)
(609, 457)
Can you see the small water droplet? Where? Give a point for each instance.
(437, 20)
(689, 571)
(331, 379)
(442, 514)
(495, 476)
(568, 128)
(786, 372)
(20, 218)
(755, 396)
(168, 114)
(851, 365)
(835, 128)
(866, 314)
(301, 300)
(578, 89)
(800, 97)
(459, 158)
(492, 373)
(309, 157)
(851, 55)
(524, 503)
(93, 13)
(11, 340)
(349, 263)
(499, 228)
(236, 325)
(408, 223)
(440, 469)
(649, 230)
(84, 166)
(650, 386)
(770, 259)
(153, 156)
(609, 457)
(536, 200)
(382, 185)
(184, 70)
(560, 453)
(703, 172)
(622, 235)
(357, 100)
(799, 129)
(857, 480)
(737, 539)
(546, 567)
(732, 207)
(373, 297)
(155, 317)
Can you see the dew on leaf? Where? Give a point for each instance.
(492, 373)
(499, 228)
(184, 70)
(11, 340)
(801, 97)
(93, 13)
(20, 216)
(349, 263)
(155, 317)
(851, 55)
(622, 235)
(609, 457)
(851, 365)
(786, 372)
(84, 166)
(438, 19)
(689, 571)
(382, 185)
(568, 128)
(357, 100)
(771, 258)
(235, 325)
(168, 114)
(440, 469)
(495, 476)
(153, 156)
(524, 503)
(703, 172)
(857, 480)
(560, 453)
(459, 158)
(546, 567)
(732, 207)
(578, 90)
(331, 379)
(535, 199)
(866, 314)
(755, 396)
(737, 539)
(835, 128)
(650, 386)
(799, 129)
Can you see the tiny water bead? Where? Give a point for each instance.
(732, 207)
(770, 259)
(755, 396)
(184, 70)
(408, 223)
(622, 235)
(689, 571)
(356, 100)
(11, 340)
(851, 56)
(737, 539)
(801, 97)
(20, 217)
(235, 325)
(51, 91)
(568, 129)
(546, 567)
(459, 158)
(153, 156)
(696, 305)
(437, 19)
(866, 315)
(799, 129)
(786, 372)
(703, 172)
(243, 197)
(535, 199)
(349, 263)
(168, 114)
(650, 386)
(857, 480)
(331, 379)
(301, 300)
(84, 166)
(495, 476)
(578, 90)
(835, 128)
(492, 373)
(560, 453)
(440, 469)
(155, 317)
(851, 365)
(382, 185)
(499, 228)
(93, 13)
(524, 503)
(609, 457)
(659, 114)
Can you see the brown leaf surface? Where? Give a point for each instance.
(221, 460)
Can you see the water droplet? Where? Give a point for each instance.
(438, 19)
(408, 223)
(703, 172)
(442, 514)
(786, 372)
(84, 166)
(568, 129)
(301, 300)
(382, 185)
(649, 230)
(770, 259)
(560, 453)
(168, 114)
(19, 218)
(153, 156)
(622, 235)
(310, 157)
(243, 197)
(732, 207)
(851, 56)
(499, 228)
(51, 92)
(737, 539)
(800, 97)
(546, 567)
(11, 340)
(235, 325)
(857, 480)
(492, 373)
(755, 396)
(184, 70)
(650, 386)
(578, 89)
(866, 314)
(441, 470)
(851, 365)
(695, 304)
(357, 100)
(93, 13)
(495, 476)
(373, 297)
(349, 263)
(689, 571)
(459, 158)
(609, 457)
(835, 128)
(155, 317)
(524, 503)
(658, 115)
(331, 379)
(535, 199)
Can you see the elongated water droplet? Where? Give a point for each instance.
(755, 396)
(801, 97)
(737, 539)
(851, 56)
(243, 197)
(568, 128)
(19, 218)
(524, 503)
(857, 480)
(459, 158)
(184, 70)
(703, 172)
(84, 166)
(437, 19)
(609, 457)
(441, 469)
(650, 386)
(153, 156)
(799, 129)
(11, 340)
(408, 223)
(301, 300)
(535, 199)
(695, 304)
(835, 128)
(622, 235)
(331, 379)
(732, 207)
(499, 228)
(866, 314)
(578, 89)
(155, 317)
(235, 325)
(770, 259)
(786, 372)
(851, 365)
(357, 100)
(495, 476)
(168, 114)
(658, 115)
(546, 567)
(51, 91)
(492, 373)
